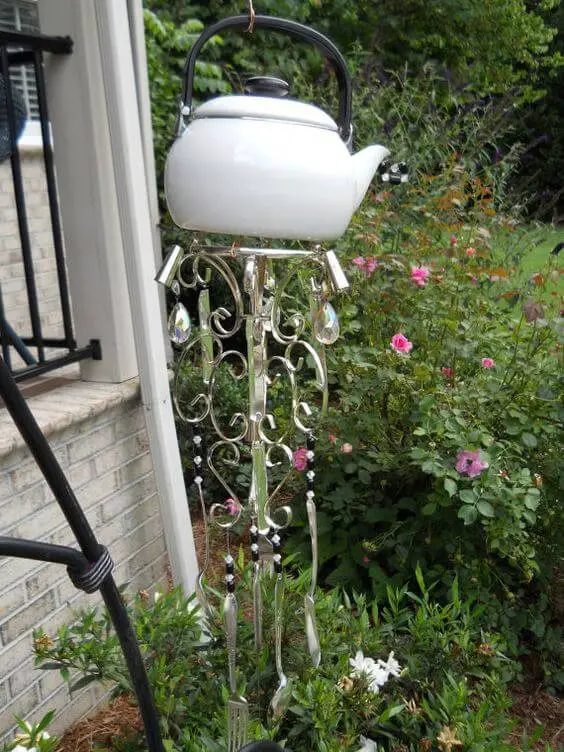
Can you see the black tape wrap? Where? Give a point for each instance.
(91, 578)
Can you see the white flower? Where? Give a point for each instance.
(391, 666)
(367, 745)
(377, 678)
(20, 748)
(362, 666)
(376, 673)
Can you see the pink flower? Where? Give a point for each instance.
(453, 240)
(332, 438)
(469, 463)
(488, 362)
(401, 344)
(420, 275)
(232, 507)
(367, 264)
(347, 448)
(470, 252)
(447, 372)
(474, 280)
(365, 560)
(300, 459)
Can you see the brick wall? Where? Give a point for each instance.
(12, 279)
(99, 437)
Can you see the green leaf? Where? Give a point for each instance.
(468, 514)
(364, 477)
(531, 500)
(350, 467)
(84, 681)
(419, 431)
(467, 496)
(429, 509)
(420, 579)
(390, 712)
(529, 440)
(450, 486)
(485, 508)
(51, 666)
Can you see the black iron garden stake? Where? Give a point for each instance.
(90, 570)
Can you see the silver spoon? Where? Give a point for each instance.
(309, 604)
(283, 693)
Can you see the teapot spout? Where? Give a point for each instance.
(365, 164)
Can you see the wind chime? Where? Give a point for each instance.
(260, 165)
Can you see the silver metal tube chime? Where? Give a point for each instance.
(256, 307)
(260, 165)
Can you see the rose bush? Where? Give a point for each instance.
(451, 391)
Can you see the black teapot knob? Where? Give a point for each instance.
(266, 86)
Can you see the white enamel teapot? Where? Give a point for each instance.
(264, 165)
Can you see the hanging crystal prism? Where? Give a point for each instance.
(325, 323)
(179, 325)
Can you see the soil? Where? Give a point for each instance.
(533, 706)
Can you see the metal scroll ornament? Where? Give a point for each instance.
(284, 352)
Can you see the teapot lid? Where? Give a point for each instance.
(266, 108)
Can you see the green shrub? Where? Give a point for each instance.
(448, 665)
(399, 498)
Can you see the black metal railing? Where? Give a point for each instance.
(27, 49)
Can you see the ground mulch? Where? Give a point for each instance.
(534, 707)
(118, 719)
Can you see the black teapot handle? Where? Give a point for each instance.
(293, 29)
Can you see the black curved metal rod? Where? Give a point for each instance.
(22, 548)
(55, 477)
(293, 29)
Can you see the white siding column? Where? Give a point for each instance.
(107, 22)
(87, 191)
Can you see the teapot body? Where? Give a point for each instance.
(260, 178)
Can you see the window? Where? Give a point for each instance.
(21, 15)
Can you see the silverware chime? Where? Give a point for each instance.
(261, 165)
(255, 308)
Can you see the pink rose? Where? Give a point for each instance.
(470, 463)
(300, 459)
(447, 372)
(232, 507)
(420, 275)
(453, 240)
(332, 438)
(347, 448)
(359, 261)
(470, 252)
(401, 344)
(488, 362)
(371, 265)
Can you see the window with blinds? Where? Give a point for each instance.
(21, 15)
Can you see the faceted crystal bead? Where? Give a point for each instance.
(325, 324)
(179, 325)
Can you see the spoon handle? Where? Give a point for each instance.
(278, 604)
(230, 619)
(257, 590)
(310, 620)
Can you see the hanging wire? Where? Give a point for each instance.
(252, 16)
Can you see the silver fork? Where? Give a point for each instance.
(237, 705)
